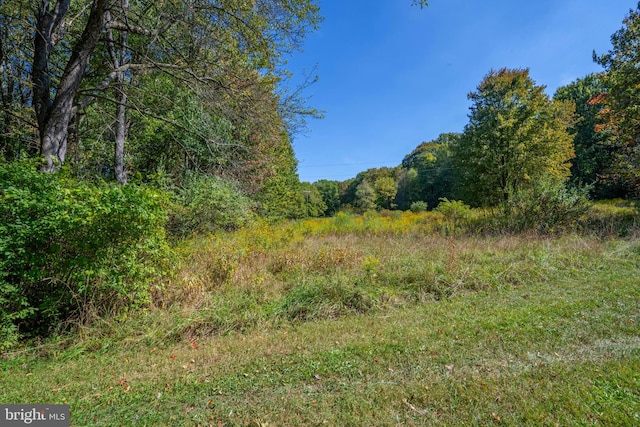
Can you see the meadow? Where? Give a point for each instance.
(382, 319)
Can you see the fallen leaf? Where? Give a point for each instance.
(194, 345)
(449, 368)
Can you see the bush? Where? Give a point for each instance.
(453, 209)
(548, 207)
(418, 207)
(207, 204)
(68, 249)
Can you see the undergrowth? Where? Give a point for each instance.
(268, 275)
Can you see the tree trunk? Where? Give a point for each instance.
(121, 131)
(53, 117)
(119, 58)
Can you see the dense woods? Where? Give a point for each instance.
(127, 126)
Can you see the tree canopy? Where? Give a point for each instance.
(515, 135)
(622, 101)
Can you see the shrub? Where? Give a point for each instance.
(69, 248)
(207, 204)
(418, 207)
(548, 207)
(453, 209)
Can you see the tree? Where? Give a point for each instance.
(349, 197)
(386, 191)
(53, 112)
(365, 199)
(83, 53)
(17, 128)
(330, 192)
(429, 176)
(594, 153)
(515, 136)
(622, 101)
(314, 204)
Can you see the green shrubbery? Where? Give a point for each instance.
(548, 207)
(71, 249)
(453, 209)
(206, 204)
(418, 207)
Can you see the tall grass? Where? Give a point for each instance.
(270, 274)
(298, 324)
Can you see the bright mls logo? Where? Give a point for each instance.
(35, 415)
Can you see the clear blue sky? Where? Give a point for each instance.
(392, 76)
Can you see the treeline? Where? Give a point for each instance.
(519, 143)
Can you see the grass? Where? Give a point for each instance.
(385, 323)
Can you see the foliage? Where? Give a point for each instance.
(594, 154)
(282, 197)
(547, 207)
(313, 200)
(453, 209)
(207, 204)
(614, 217)
(348, 194)
(622, 102)
(386, 190)
(330, 192)
(365, 197)
(427, 172)
(202, 85)
(417, 207)
(71, 250)
(515, 135)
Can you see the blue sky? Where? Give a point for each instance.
(392, 76)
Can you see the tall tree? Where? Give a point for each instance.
(515, 135)
(330, 192)
(622, 101)
(199, 43)
(17, 129)
(594, 154)
(386, 190)
(365, 197)
(53, 104)
(432, 176)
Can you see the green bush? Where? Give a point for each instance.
(453, 209)
(207, 204)
(418, 207)
(547, 207)
(69, 249)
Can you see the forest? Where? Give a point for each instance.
(150, 201)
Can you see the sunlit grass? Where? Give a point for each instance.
(378, 320)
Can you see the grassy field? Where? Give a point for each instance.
(375, 320)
